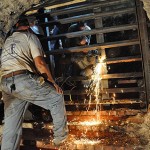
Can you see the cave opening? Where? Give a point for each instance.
(105, 80)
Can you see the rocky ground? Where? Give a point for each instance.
(121, 129)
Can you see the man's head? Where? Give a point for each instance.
(29, 24)
(80, 41)
(22, 24)
(81, 25)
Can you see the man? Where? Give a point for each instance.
(78, 41)
(27, 79)
(78, 61)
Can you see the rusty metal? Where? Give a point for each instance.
(143, 35)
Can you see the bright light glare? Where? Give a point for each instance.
(98, 68)
(90, 123)
(87, 141)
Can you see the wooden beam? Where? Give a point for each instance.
(123, 59)
(89, 16)
(113, 90)
(93, 31)
(94, 46)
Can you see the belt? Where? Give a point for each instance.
(15, 73)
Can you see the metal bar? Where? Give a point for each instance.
(123, 59)
(31, 13)
(64, 3)
(133, 101)
(113, 90)
(123, 75)
(126, 81)
(105, 76)
(51, 5)
(144, 45)
(93, 31)
(76, 8)
(91, 47)
(90, 16)
(87, 7)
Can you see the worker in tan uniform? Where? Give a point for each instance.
(27, 79)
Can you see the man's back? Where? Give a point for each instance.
(17, 54)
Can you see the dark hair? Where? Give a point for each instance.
(81, 24)
(23, 22)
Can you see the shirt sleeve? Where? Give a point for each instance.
(35, 46)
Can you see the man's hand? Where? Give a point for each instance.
(44, 70)
(58, 89)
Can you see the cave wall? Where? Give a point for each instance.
(10, 10)
(147, 7)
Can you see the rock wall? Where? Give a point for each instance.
(147, 7)
(10, 10)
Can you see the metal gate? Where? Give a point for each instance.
(119, 45)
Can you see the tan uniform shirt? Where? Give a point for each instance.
(19, 51)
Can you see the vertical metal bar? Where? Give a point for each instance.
(100, 39)
(51, 58)
(144, 43)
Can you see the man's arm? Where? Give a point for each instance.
(45, 72)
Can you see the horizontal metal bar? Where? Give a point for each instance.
(133, 101)
(113, 90)
(94, 46)
(93, 31)
(90, 16)
(129, 81)
(123, 59)
(51, 5)
(123, 75)
(105, 76)
(87, 7)
(74, 9)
